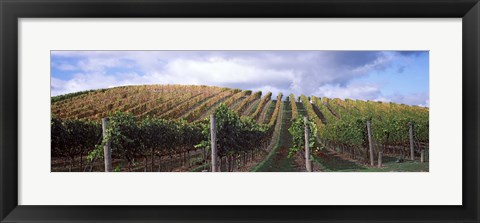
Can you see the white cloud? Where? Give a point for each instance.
(353, 91)
(420, 99)
(225, 72)
(88, 81)
(321, 73)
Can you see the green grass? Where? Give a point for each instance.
(406, 166)
(254, 107)
(200, 168)
(251, 109)
(331, 163)
(301, 109)
(269, 159)
(277, 160)
(269, 111)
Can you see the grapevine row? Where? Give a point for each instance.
(185, 106)
(241, 108)
(261, 105)
(273, 118)
(294, 106)
(194, 114)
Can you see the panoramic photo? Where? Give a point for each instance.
(239, 111)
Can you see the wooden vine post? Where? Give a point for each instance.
(370, 143)
(422, 156)
(308, 162)
(380, 154)
(410, 132)
(107, 151)
(213, 136)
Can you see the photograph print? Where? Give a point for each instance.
(239, 111)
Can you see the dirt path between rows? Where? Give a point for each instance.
(281, 161)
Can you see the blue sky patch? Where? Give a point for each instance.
(396, 76)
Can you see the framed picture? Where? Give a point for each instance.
(239, 111)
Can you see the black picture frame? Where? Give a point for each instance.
(12, 10)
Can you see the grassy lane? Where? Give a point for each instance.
(278, 161)
(274, 144)
(330, 161)
(268, 111)
(251, 108)
(301, 109)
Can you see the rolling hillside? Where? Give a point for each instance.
(192, 103)
(166, 126)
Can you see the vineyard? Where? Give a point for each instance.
(164, 128)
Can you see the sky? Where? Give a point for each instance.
(389, 76)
